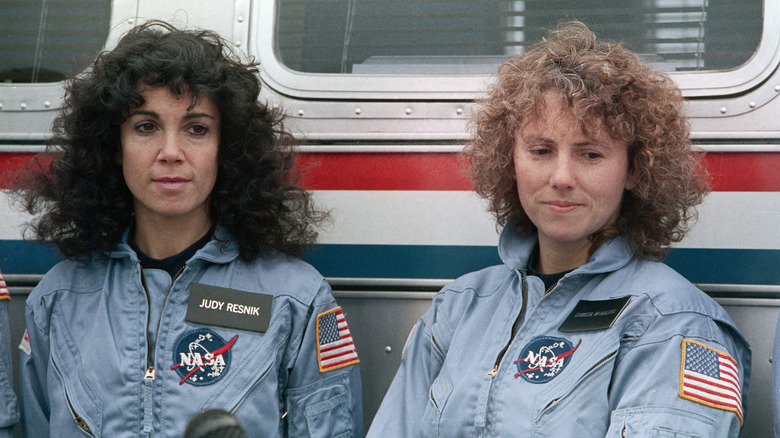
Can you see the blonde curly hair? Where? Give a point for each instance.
(607, 86)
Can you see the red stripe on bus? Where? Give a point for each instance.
(744, 171)
(729, 171)
(11, 164)
(383, 171)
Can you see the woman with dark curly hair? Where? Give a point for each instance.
(169, 189)
(583, 152)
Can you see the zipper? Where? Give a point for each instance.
(436, 345)
(249, 391)
(150, 371)
(598, 364)
(149, 374)
(492, 373)
(80, 422)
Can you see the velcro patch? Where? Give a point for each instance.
(710, 377)
(202, 357)
(335, 348)
(543, 358)
(25, 344)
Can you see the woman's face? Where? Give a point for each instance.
(169, 154)
(570, 185)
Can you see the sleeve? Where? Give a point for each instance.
(686, 376)
(323, 395)
(32, 378)
(776, 379)
(401, 411)
(9, 411)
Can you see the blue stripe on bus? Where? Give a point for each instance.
(21, 257)
(720, 266)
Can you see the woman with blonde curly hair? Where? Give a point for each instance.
(583, 152)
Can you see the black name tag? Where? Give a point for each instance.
(212, 305)
(594, 315)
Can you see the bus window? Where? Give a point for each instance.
(447, 49)
(472, 37)
(49, 40)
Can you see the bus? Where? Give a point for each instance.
(379, 93)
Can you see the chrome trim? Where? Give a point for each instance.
(10, 148)
(384, 295)
(379, 149)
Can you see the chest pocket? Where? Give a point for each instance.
(253, 380)
(81, 403)
(438, 395)
(579, 398)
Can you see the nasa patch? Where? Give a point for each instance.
(202, 357)
(543, 358)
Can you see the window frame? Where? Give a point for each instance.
(468, 87)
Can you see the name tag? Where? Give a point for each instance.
(230, 308)
(590, 316)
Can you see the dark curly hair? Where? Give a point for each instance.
(80, 192)
(606, 86)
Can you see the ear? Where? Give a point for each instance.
(631, 180)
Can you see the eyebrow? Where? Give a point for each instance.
(154, 114)
(533, 138)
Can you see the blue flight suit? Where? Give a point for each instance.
(620, 347)
(113, 353)
(9, 412)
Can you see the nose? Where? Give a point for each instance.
(171, 148)
(562, 173)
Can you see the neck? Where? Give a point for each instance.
(557, 257)
(163, 238)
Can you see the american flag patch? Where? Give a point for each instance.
(4, 295)
(710, 377)
(335, 348)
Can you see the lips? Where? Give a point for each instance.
(171, 182)
(561, 206)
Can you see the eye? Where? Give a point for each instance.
(593, 155)
(199, 129)
(539, 150)
(145, 127)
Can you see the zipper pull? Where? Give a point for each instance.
(82, 424)
(492, 373)
(149, 373)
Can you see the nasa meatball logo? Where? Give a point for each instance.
(544, 358)
(202, 357)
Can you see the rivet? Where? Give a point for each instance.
(752, 104)
(300, 112)
(47, 104)
(408, 111)
(459, 110)
(130, 20)
(1, 106)
(276, 106)
(358, 110)
(24, 106)
(238, 43)
(240, 19)
(777, 87)
(723, 110)
(388, 349)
